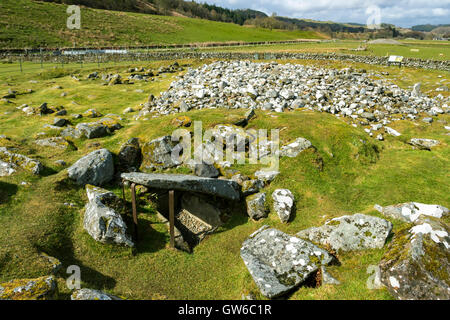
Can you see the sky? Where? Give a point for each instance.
(403, 13)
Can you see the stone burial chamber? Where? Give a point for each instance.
(192, 207)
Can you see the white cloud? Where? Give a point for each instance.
(403, 13)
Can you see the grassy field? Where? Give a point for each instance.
(358, 173)
(435, 50)
(33, 24)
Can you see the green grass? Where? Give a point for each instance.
(25, 23)
(358, 172)
(435, 50)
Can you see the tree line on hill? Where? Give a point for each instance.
(250, 17)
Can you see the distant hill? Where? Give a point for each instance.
(189, 9)
(428, 27)
(34, 24)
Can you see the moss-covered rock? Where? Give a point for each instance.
(43, 288)
(416, 264)
(34, 166)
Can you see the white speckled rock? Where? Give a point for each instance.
(279, 262)
(91, 294)
(416, 264)
(283, 202)
(101, 221)
(294, 148)
(347, 233)
(411, 211)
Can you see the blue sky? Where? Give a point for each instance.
(404, 13)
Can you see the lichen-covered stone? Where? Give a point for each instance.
(43, 288)
(157, 154)
(251, 186)
(181, 121)
(294, 148)
(7, 169)
(416, 264)
(92, 130)
(283, 202)
(256, 206)
(347, 233)
(19, 160)
(101, 219)
(54, 142)
(130, 156)
(96, 168)
(411, 211)
(111, 123)
(91, 294)
(279, 262)
(425, 144)
(92, 113)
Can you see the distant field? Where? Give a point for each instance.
(436, 50)
(25, 23)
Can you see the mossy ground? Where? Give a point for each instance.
(357, 172)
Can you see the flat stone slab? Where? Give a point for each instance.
(218, 187)
(279, 262)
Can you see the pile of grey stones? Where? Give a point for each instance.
(347, 93)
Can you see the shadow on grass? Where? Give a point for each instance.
(6, 191)
(54, 238)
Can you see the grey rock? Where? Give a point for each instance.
(256, 206)
(200, 207)
(283, 202)
(294, 148)
(92, 130)
(348, 233)
(53, 142)
(411, 211)
(206, 170)
(7, 169)
(130, 156)
(101, 220)
(424, 144)
(157, 154)
(279, 262)
(91, 294)
(427, 120)
(96, 168)
(416, 265)
(222, 188)
(266, 175)
(19, 160)
(328, 278)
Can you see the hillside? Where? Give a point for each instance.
(25, 23)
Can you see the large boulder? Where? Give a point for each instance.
(101, 219)
(96, 168)
(19, 160)
(283, 202)
(411, 211)
(416, 264)
(347, 233)
(43, 288)
(256, 206)
(91, 294)
(157, 154)
(279, 262)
